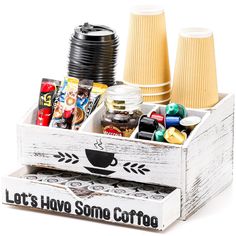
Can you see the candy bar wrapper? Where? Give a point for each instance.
(48, 92)
(84, 90)
(64, 108)
(96, 97)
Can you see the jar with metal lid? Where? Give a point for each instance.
(123, 110)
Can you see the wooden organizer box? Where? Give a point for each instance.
(200, 168)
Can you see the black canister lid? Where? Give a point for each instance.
(94, 32)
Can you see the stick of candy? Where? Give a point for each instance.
(47, 96)
(84, 90)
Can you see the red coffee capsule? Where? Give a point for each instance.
(158, 117)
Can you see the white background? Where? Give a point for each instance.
(34, 43)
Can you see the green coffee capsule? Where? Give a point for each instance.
(174, 109)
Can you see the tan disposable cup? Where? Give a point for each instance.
(195, 82)
(157, 88)
(157, 98)
(147, 60)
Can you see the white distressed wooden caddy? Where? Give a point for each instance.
(200, 168)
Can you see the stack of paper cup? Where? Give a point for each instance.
(147, 61)
(195, 82)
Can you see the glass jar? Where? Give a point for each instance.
(123, 109)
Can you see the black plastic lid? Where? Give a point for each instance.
(94, 32)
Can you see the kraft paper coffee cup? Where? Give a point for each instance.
(156, 88)
(162, 98)
(195, 82)
(147, 61)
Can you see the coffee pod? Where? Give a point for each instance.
(54, 180)
(184, 132)
(99, 187)
(172, 121)
(158, 117)
(145, 135)
(32, 177)
(139, 195)
(190, 122)
(77, 184)
(156, 196)
(159, 135)
(174, 136)
(121, 191)
(147, 124)
(174, 109)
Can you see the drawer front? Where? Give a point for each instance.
(125, 158)
(106, 199)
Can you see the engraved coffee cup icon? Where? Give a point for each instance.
(100, 159)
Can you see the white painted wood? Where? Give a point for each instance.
(209, 157)
(162, 212)
(201, 168)
(38, 147)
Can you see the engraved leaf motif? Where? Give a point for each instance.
(57, 156)
(134, 165)
(141, 166)
(135, 171)
(67, 158)
(127, 169)
(68, 155)
(75, 162)
(75, 156)
(127, 164)
(141, 172)
(145, 169)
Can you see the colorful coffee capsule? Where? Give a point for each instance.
(190, 122)
(174, 109)
(147, 124)
(184, 132)
(174, 136)
(159, 135)
(158, 117)
(145, 135)
(172, 121)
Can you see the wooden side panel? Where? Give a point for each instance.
(209, 161)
